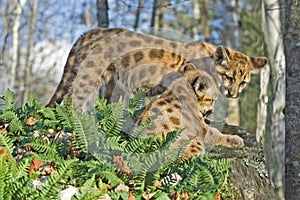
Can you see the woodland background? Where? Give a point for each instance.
(36, 35)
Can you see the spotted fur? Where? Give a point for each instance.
(102, 56)
(183, 105)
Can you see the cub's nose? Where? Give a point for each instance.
(234, 96)
(207, 113)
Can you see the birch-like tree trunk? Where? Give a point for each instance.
(160, 14)
(292, 110)
(102, 13)
(19, 5)
(197, 18)
(274, 142)
(29, 48)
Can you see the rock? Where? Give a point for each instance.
(249, 174)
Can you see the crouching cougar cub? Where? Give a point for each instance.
(185, 101)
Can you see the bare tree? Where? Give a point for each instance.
(137, 17)
(19, 4)
(158, 14)
(275, 131)
(102, 13)
(29, 48)
(292, 110)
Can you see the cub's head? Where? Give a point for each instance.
(234, 69)
(204, 87)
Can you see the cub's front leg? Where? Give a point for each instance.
(215, 137)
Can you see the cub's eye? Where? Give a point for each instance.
(228, 77)
(243, 83)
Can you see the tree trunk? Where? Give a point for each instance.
(275, 127)
(262, 106)
(137, 17)
(153, 15)
(205, 20)
(15, 35)
(102, 13)
(292, 111)
(4, 57)
(232, 38)
(197, 18)
(29, 47)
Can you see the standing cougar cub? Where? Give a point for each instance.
(185, 101)
(101, 56)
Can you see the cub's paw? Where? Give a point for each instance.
(234, 141)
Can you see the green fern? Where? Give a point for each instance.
(99, 138)
(8, 101)
(65, 118)
(32, 106)
(202, 176)
(7, 142)
(111, 117)
(137, 103)
(84, 129)
(52, 186)
(43, 147)
(15, 124)
(89, 192)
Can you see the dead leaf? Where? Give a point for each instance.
(158, 184)
(118, 160)
(217, 196)
(184, 196)
(35, 165)
(48, 168)
(3, 128)
(131, 196)
(31, 121)
(149, 196)
(122, 187)
(3, 150)
(107, 186)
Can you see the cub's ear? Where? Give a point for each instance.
(188, 67)
(258, 62)
(221, 56)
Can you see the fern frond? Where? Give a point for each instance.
(44, 148)
(111, 177)
(86, 131)
(52, 186)
(15, 125)
(4, 172)
(110, 117)
(140, 130)
(137, 102)
(89, 190)
(65, 118)
(14, 177)
(33, 102)
(47, 113)
(113, 143)
(114, 126)
(161, 196)
(7, 142)
(8, 101)
(140, 145)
